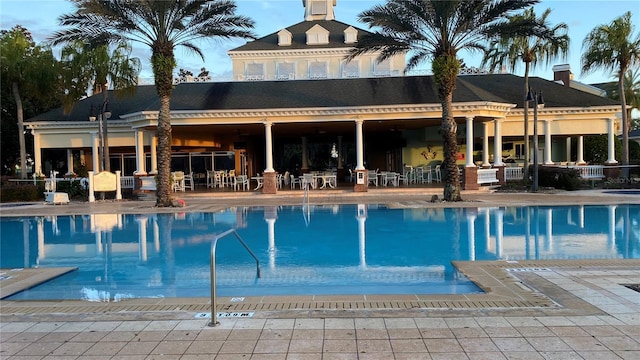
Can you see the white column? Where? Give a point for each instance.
(154, 154)
(612, 136)
(580, 154)
(469, 120)
(485, 145)
(268, 146)
(37, 156)
(547, 142)
(305, 153)
(568, 145)
(359, 145)
(339, 151)
(140, 163)
(92, 196)
(69, 162)
(497, 142)
(95, 153)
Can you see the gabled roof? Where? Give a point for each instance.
(299, 41)
(357, 92)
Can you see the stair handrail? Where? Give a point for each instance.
(214, 242)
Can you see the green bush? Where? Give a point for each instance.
(559, 178)
(73, 188)
(21, 192)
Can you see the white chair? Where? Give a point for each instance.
(240, 181)
(177, 181)
(211, 178)
(188, 181)
(286, 178)
(295, 181)
(308, 180)
(438, 173)
(372, 177)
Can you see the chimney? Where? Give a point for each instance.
(562, 74)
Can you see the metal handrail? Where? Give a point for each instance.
(214, 242)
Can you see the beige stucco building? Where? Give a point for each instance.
(294, 100)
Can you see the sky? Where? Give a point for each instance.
(40, 17)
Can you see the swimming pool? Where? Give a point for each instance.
(314, 250)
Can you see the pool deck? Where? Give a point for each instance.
(554, 309)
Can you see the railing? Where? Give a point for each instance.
(487, 176)
(126, 182)
(590, 171)
(513, 173)
(214, 242)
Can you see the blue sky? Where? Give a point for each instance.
(41, 18)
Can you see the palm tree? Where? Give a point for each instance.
(611, 47)
(631, 94)
(26, 68)
(162, 26)
(95, 67)
(437, 30)
(549, 43)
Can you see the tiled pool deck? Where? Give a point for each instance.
(573, 309)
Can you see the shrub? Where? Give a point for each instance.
(10, 192)
(559, 178)
(74, 188)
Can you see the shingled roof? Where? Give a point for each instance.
(299, 37)
(326, 93)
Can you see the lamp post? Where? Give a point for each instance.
(538, 102)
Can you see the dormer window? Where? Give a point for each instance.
(350, 35)
(317, 35)
(284, 37)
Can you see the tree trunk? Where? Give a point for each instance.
(20, 115)
(526, 122)
(450, 150)
(445, 71)
(163, 64)
(625, 125)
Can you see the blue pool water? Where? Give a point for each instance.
(315, 250)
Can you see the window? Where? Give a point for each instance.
(317, 35)
(350, 69)
(519, 151)
(318, 8)
(286, 71)
(350, 35)
(255, 71)
(318, 70)
(383, 68)
(284, 38)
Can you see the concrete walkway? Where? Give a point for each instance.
(593, 315)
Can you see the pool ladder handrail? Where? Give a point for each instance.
(214, 242)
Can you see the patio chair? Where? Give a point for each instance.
(438, 173)
(177, 181)
(295, 181)
(308, 180)
(188, 181)
(372, 177)
(240, 181)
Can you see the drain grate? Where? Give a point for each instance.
(634, 287)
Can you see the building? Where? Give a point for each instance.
(297, 106)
